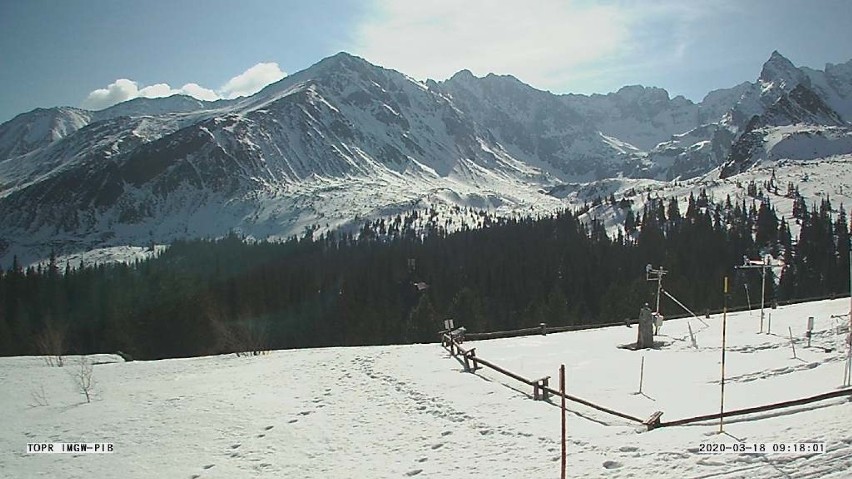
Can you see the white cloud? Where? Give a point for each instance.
(538, 41)
(247, 83)
(158, 91)
(252, 80)
(196, 91)
(116, 92)
(552, 44)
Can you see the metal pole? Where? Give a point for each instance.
(562, 390)
(763, 267)
(792, 344)
(724, 332)
(748, 298)
(641, 374)
(848, 381)
(659, 287)
(762, 296)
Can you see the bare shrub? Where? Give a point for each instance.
(83, 378)
(242, 339)
(50, 343)
(39, 397)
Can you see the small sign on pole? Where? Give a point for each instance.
(448, 324)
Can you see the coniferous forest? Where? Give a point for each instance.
(393, 283)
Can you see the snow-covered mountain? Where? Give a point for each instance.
(346, 140)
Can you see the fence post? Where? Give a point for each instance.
(792, 344)
(691, 336)
(540, 388)
(470, 356)
(543, 329)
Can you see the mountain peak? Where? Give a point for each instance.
(777, 56)
(463, 75)
(343, 59)
(781, 71)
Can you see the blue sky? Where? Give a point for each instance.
(94, 52)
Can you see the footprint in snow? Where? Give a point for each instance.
(268, 428)
(414, 472)
(235, 446)
(437, 446)
(291, 421)
(611, 464)
(208, 466)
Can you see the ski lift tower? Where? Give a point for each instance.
(762, 265)
(652, 274)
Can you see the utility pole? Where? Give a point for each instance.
(848, 377)
(652, 274)
(763, 265)
(564, 438)
(724, 336)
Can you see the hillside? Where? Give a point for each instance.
(345, 141)
(412, 411)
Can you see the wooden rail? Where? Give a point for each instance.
(763, 408)
(596, 406)
(541, 389)
(543, 329)
(579, 327)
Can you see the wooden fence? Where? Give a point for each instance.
(542, 391)
(757, 409)
(541, 388)
(544, 329)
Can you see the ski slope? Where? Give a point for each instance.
(412, 411)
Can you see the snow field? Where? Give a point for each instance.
(412, 411)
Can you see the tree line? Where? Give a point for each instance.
(395, 283)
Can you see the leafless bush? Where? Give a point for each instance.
(242, 339)
(39, 397)
(83, 378)
(50, 343)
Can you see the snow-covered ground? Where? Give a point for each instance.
(403, 411)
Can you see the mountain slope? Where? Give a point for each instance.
(346, 140)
